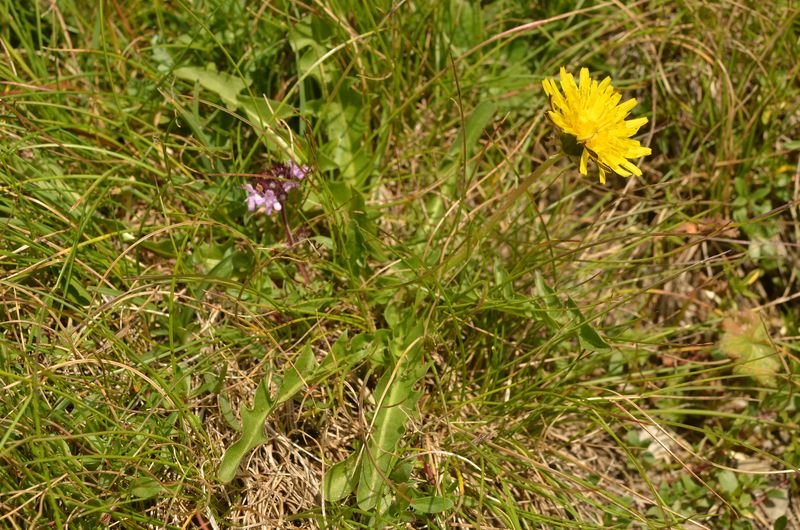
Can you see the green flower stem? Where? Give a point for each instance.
(290, 239)
(512, 197)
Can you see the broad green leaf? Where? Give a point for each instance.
(568, 317)
(476, 122)
(346, 353)
(252, 433)
(727, 481)
(146, 488)
(301, 35)
(401, 473)
(463, 24)
(266, 113)
(226, 409)
(589, 338)
(346, 127)
(747, 342)
(396, 402)
(547, 294)
(310, 38)
(339, 480)
(226, 86)
(296, 377)
(341, 194)
(432, 504)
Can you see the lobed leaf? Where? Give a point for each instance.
(253, 419)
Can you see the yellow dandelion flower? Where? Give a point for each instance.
(593, 120)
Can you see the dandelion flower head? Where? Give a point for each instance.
(591, 116)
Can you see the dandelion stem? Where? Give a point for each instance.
(511, 197)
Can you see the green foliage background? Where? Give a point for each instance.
(619, 356)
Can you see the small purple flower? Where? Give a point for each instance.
(297, 172)
(261, 199)
(271, 188)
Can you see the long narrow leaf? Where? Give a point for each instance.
(397, 401)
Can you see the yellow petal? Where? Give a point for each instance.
(585, 84)
(584, 159)
(568, 86)
(630, 166)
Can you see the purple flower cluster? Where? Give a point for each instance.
(269, 190)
